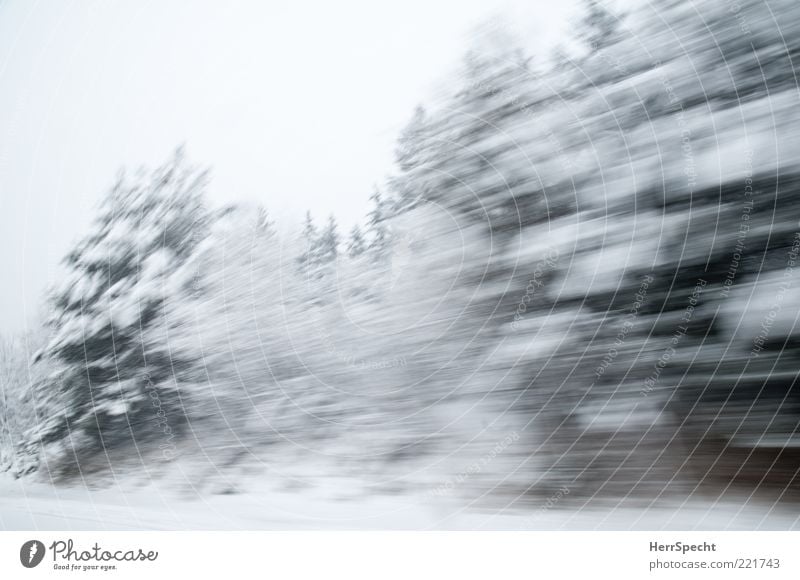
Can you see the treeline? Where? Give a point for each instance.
(490, 283)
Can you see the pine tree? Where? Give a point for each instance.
(356, 245)
(377, 224)
(309, 228)
(110, 360)
(263, 224)
(477, 164)
(309, 259)
(238, 321)
(410, 143)
(329, 242)
(19, 408)
(411, 153)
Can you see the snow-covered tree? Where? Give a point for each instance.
(247, 299)
(356, 244)
(310, 256)
(412, 151)
(110, 361)
(22, 406)
(263, 224)
(377, 225)
(309, 229)
(328, 244)
(410, 148)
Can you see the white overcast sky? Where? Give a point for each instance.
(294, 104)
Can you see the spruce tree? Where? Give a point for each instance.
(377, 224)
(309, 258)
(356, 245)
(109, 358)
(328, 249)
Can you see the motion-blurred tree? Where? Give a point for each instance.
(356, 245)
(329, 242)
(309, 239)
(377, 225)
(110, 361)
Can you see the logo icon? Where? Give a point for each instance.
(31, 553)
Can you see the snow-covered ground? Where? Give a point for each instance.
(37, 506)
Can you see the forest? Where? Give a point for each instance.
(576, 286)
